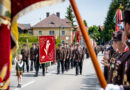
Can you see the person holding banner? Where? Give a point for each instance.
(37, 64)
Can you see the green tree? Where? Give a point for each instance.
(70, 15)
(58, 41)
(109, 25)
(94, 33)
(85, 23)
(75, 40)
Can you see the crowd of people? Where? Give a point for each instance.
(69, 56)
(116, 58)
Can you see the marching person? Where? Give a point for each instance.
(33, 56)
(19, 69)
(37, 64)
(68, 58)
(65, 51)
(74, 57)
(79, 56)
(71, 56)
(25, 57)
(59, 58)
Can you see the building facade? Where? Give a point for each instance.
(54, 25)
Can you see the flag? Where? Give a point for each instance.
(10, 10)
(78, 36)
(5, 47)
(5, 44)
(117, 19)
(21, 7)
(47, 48)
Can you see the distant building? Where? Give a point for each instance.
(54, 25)
(25, 28)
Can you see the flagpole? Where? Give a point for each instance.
(99, 73)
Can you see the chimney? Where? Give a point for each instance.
(47, 14)
(58, 14)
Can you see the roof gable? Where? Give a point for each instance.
(52, 21)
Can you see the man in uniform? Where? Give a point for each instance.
(79, 56)
(33, 56)
(65, 55)
(59, 58)
(71, 56)
(25, 57)
(68, 58)
(124, 65)
(37, 64)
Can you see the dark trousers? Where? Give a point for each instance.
(37, 69)
(43, 69)
(106, 72)
(27, 65)
(87, 55)
(78, 66)
(37, 65)
(32, 65)
(67, 64)
(60, 63)
(72, 63)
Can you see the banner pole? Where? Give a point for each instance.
(93, 56)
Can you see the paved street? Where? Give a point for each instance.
(52, 81)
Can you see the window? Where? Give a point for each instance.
(51, 33)
(63, 42)
(63, 33)
(40, 32)
(30, 32)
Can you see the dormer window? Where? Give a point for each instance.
(52, 23)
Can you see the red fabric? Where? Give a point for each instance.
(73, 36)
(5, 46)
(18, 5)
(0, 80)
(126, 49)
(45, 41)
(119, 17)
(78, 37)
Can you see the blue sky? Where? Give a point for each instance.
(93, 11)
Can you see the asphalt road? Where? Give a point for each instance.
(52, 81)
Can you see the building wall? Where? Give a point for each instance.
(45, 31)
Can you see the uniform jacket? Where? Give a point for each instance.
(59, 54)
(25, 54)
(33, 53)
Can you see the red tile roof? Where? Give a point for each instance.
(53, 21)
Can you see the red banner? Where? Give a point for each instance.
(5, 46)
(47, 48)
